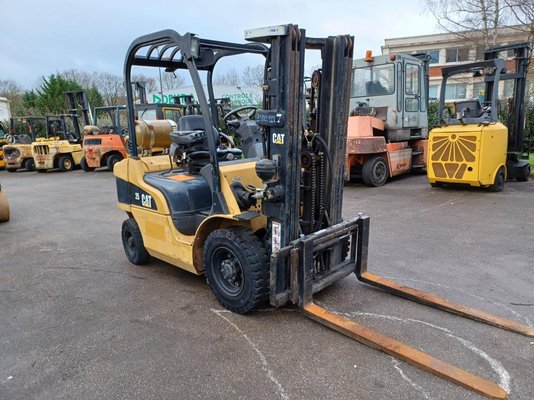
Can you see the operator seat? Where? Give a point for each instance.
(469, 108)
(195, 145)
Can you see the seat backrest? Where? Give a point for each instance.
(191, 123)
(469, 108)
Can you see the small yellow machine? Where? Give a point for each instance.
(471, 146)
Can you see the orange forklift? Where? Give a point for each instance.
(388, 123)
(104, 147)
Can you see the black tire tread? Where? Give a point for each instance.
(256, 255)
(85, 166)
(61, 162)
(141, 256)
(29, 164)
(367, 171)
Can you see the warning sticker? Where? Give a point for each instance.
(276, 236)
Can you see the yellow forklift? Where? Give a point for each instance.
(63, 146)
(264, 228)
(471, 146)
(18, 152)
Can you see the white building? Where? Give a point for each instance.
(449, 49)
(5, 110)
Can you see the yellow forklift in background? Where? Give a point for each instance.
(471, 146)
(18, 153)
(265, 228)
(63, 147)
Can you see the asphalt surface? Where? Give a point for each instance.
(78, 321)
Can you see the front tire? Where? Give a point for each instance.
(132, 240)
(65, 164)
(498, 185)
(237, 269)
(375, 171)
(85, 166)
(29, 164)
(11, 169)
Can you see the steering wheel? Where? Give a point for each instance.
(235, 113)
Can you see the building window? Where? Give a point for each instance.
(455, 91)
(457, 54)
(433, 91)
(434, 56)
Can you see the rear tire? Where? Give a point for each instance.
(29, 164)
(112, 160)
(65, 164)
(375, 171)
(85, 166)
(237, 269)
(498, 185)
(132, 240)
(436, 184)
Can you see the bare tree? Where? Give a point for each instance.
(471, 19)
(82, 78)
(229, 78)
(523, 13)
(253, 75)
(111, 87)
(10, 89)
(150, 83)
(171, 80)
(13, 91)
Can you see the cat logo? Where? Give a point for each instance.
(278, 138)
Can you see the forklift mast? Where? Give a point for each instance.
(299, 158)
(516, 120)
(140, 91)
(77, 100)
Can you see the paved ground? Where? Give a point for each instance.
(78, 321)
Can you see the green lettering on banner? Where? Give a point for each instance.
(168, 98)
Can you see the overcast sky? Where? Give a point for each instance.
(38, 38)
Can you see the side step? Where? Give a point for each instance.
(401, 351)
